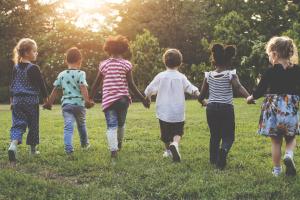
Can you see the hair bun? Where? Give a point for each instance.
(230, 51)
(217, 49)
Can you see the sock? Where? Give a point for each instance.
(289, 153)
(14, 144)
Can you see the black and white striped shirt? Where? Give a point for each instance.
(220, 87)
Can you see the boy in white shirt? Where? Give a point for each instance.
(170, 87)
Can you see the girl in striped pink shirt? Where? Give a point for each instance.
(115, 79)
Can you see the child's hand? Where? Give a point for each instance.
(47, 106)
(204, 103)
(89, 104)
(250, 100)
(146, 102)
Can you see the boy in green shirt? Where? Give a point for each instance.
(75, 98)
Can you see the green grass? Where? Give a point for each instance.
(140, 171)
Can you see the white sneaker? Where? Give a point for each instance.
(167, 154)
(276, 172)
(12, 153)
(175, 152)
(85, 147)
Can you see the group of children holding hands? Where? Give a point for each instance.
(279, 115)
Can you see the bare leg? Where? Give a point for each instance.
(276, 150)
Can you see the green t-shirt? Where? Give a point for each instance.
(69, 81)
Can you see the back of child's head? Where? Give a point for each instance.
(172, 58)
(116, 45)
(221, 55)
(25, 45)
(73, 55)
(284, 47)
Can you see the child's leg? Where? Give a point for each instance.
(289, 154)
(112, 126)
(215, 132)
(19, 124)
(228, 128)
(276, 150)
(81, 126)
(122, 108)
(69, 120)
(33, 127)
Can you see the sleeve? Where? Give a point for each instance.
(35, 77)
(58, 82)
(206, 74)
(232, 73)
(82, 79)
(262, 85)
(189, 87)
(128, 66)
(12, 79)
(152, 88)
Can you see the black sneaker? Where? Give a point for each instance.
(12, 156)
(290, 166)
(221, 163)
(175, 152)
(119, 146)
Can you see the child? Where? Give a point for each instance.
(279, 114)
(73, 84)
(26, 86)
(115, 78)
(170, 87)
(220, 111)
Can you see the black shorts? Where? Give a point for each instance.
(168, 130)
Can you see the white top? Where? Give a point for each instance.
(220, 87)
(170, 87)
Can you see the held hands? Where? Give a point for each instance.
(89, 104)
(250, 100)
(146, 102)
(47, 105)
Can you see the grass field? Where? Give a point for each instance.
(140, 171)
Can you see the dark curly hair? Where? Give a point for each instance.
(222, 55)
(116, 45)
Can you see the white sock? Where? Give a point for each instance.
(277, 168)
(289, 153)
(112, 139)
(13, 144)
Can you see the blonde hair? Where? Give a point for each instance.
(24, 45)
(284, 47)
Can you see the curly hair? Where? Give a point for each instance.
(116, 45)
(284, 47)
(222, 55)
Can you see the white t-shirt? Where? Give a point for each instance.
(170, 87)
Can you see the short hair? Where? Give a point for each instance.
(116, 45)
(172, 58)
(221, 55)
(24, 46)
(73, 55)
(284, 47)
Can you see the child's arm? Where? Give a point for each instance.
(203, 92)
(97, 83)
(240, 88)
(85, 94)
(135, 90)
(190, 88)
(48, 104)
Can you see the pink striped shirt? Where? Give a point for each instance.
(115, 86)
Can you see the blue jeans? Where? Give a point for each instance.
(71, 114)
(115, 116)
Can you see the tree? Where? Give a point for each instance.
(146, 58)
